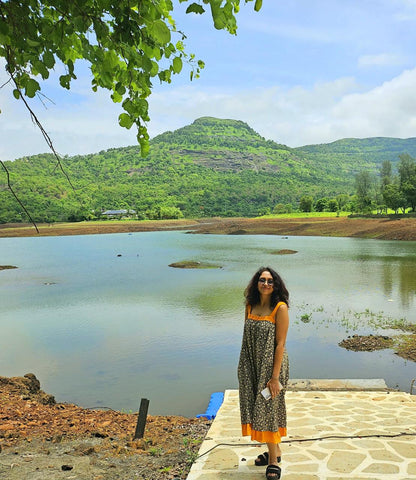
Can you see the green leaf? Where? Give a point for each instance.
(39, 68)
(120, 89)
(146, 64)
(31, 87)
(195, 8)
(48, 59)
(16, 94)
(257, 5)
(125, 120)
(161, 32)
(64, 81)
(169, 50)
(128, 106)
(33, 43)
(177, 65)
(4, 28)
(155, 69)
(142, 107)
(143, 139)
(165, 76)
(116, 97)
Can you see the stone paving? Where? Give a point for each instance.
(313, 414)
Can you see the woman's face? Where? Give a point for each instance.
(265, 283)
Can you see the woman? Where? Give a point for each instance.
(264, 363)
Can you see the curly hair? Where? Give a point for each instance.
(279, 294)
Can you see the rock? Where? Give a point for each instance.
(193, 264)
(67, 468)
(6, 426)
(32, 383)
(84, 449)
(284, 251)
(28, 387)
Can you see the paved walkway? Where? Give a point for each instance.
(313, 414)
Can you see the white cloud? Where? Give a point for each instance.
(380, 60)
(387, 110)
(299, 116)
(294, 116)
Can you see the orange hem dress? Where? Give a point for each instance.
(263, 420)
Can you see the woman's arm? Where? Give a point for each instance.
(282, 326)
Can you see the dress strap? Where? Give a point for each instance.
(276, 308)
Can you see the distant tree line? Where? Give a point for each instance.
(395, 190)
(341, 202)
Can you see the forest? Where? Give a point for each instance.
(213, 167)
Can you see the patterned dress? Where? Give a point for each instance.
(263, 420)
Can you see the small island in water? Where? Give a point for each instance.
(193, 264)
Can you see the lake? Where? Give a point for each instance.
(103, 321)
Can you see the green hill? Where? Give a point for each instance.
(354, 154)
(212, 167)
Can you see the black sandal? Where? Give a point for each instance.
(273, 472)
(263, 459)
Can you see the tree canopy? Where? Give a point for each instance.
(127, 44)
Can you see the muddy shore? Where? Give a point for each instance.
(377, 228)
(44, 440)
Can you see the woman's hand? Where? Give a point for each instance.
(274, 386)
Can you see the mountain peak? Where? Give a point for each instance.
(209, 129)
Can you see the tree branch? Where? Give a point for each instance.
(44, 133)
(48, 141)
(16, 197)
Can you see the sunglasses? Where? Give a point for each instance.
(266, 281)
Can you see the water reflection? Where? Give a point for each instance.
(397, 273)
(407, 283)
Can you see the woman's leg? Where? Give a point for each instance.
(274, 452)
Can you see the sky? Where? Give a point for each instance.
(299, 72)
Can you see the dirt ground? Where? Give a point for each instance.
(44, 440)
(403, 344)
(378, 228)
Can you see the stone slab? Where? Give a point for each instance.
(343, 434)
(362, 384)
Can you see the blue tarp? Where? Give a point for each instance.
(215, 403)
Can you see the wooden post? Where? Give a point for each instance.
(141, 421)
